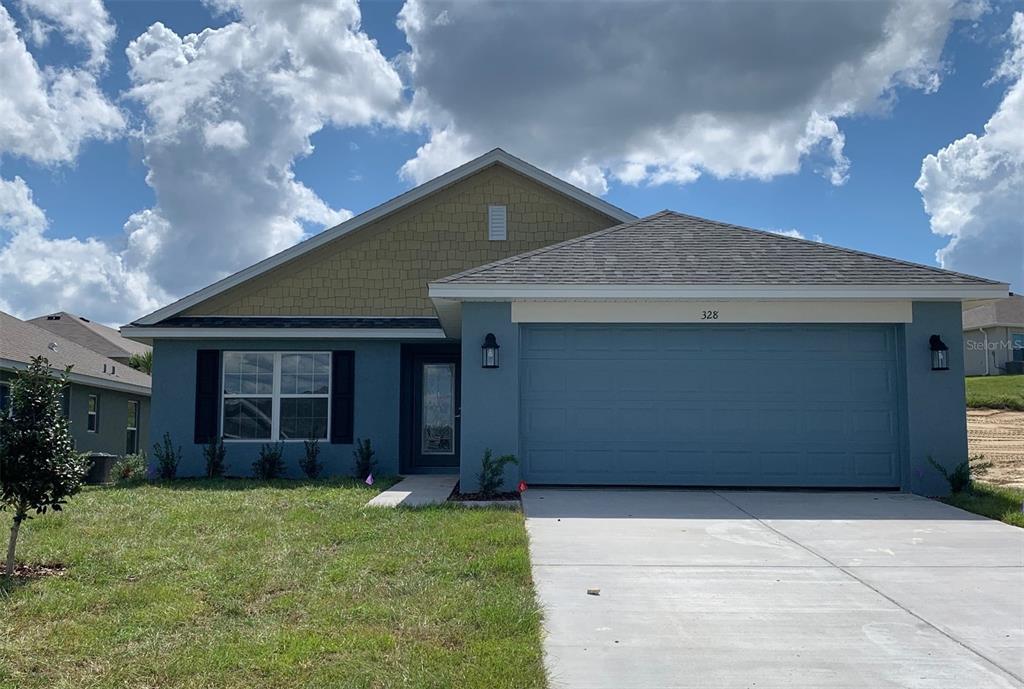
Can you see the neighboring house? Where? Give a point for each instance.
(106, 402)
(99, 338)
(994, 337)
(666, 350)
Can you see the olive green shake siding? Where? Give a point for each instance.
(382, 269)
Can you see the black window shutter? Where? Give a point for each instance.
(207, 394)
(343, 396)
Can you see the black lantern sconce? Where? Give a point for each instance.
(489, 349)
(940, 353)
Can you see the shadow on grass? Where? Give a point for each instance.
(238, 484)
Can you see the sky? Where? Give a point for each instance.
(148, 149)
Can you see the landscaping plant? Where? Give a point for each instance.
(130, 468)
(39, 468)
(365, 462)
(167, 458)
(492, 472)
(960, 478)
(269, 464)
(214, 454)
(310, 462)
(142, 362)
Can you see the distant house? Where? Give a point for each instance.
(99, 338)
(994, 337)
(107, 402)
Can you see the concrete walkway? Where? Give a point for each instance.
(774, 589)
(416, 491)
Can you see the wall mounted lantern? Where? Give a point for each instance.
(940, 353)
(490, 349)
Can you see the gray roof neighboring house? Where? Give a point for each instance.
(95, 336)
(21, 340)
(1007, 312)
(670, 248)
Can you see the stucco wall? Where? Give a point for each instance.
(377, 366)
(999, 352)
(936, 418)
(383, 269)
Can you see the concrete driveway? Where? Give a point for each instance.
(774, 589)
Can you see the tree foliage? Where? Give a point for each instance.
(39, 468)
(142, 362)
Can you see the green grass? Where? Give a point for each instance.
(996, 392)
(995, 502)
(283, 584)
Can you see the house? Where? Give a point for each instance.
(500, 307)
(99, 338)
(994, 337)
(106, 402)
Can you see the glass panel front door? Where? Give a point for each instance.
(438, 421)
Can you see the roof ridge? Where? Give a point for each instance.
(855, 252)
(545, 249)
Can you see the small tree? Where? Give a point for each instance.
(214, 454)
(39, 468)
(142, 362)
(269, 464)
(363, 454)
(166, 458)
(492, 472)
(310, 462)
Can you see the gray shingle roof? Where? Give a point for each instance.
(996, 312)
(95, 336)
(670, 248)
(20, 341)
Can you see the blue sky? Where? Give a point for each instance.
(357, 159)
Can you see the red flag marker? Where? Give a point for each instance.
(522, 486)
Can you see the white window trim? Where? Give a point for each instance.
(95, 414)
(276, 396)
(128, 427)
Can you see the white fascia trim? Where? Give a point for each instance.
(136, 332)
(506, 292)
(83, 379)
(395, 204)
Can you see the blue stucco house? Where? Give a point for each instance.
(500, 307)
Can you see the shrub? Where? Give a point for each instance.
(166, 458)
(214, 453)
(365, 462)
(960, 479)
(269, 464)
(39, 468)
(130, 468)
(142, 362)
(310, 462)
(492, 472)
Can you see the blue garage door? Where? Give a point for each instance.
(713, 406)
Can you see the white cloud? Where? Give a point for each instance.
(796, 234)
(82, 22)
(18, 212)
(663, 92)
(973, 189)
(229, 134)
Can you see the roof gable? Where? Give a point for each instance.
(496, 157)
(674, 249)
(94, 336)
(999, 312)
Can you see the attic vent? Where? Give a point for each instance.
(497, 225)
(53, 318)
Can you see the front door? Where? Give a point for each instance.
(435, 411)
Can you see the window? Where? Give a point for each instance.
(1018, 346)
(497, 223)
(5, 399)
(131, 445)
(93, 419)
(276, 395)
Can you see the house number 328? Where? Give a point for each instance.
(709, 315)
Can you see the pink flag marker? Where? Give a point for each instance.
(369, 479)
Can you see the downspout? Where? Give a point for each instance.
(987, 353)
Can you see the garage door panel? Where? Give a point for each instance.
(740, 405)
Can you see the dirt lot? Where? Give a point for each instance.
(999, 436)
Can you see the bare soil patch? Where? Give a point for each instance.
(998, 435)
(34, 571)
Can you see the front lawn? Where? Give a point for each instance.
(995, 502)
(996, 392)
(288, 584)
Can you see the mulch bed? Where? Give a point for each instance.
(457, 496)
(34, 571)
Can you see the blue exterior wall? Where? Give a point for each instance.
(377, 369)
(490, 396)
(936, 420)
